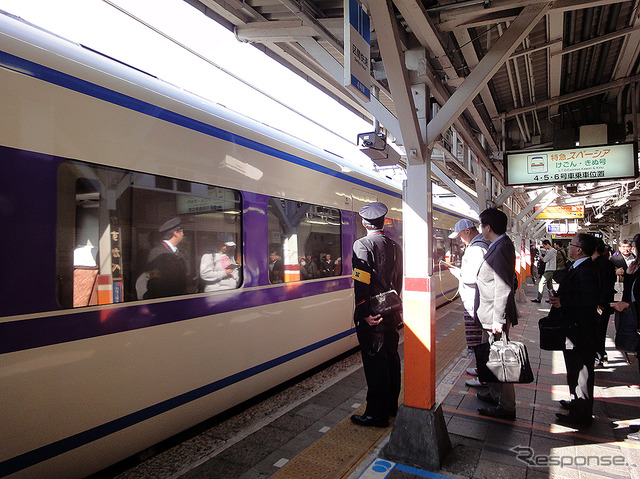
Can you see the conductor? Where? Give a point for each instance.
(377, 267)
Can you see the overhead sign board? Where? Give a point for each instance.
(593, 163)
(562, 228)
(357, 49)
(560, 212)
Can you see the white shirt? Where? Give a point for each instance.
(550, 260)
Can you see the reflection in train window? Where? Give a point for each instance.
(124, 236)
(304, 241)
(446, 250)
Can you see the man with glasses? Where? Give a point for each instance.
(495, 305)
(623, 258)
(577, 298)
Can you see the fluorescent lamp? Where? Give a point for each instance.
(621, 201)
(599, 215)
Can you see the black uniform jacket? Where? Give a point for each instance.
(377, 267)
(167, 272)
(579, 294)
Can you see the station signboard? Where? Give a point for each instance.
(559, 212)
(562, 228)
(357, 50)
(580, 164)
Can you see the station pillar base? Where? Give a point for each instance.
(419, 438)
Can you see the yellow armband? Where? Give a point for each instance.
(362, 276)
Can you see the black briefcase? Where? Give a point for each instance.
(553, 334)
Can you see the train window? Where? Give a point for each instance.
(304, 241)
(445, 250)
(124, 236)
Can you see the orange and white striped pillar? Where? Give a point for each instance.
(418, 293)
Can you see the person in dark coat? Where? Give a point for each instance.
(377, 267)
(577, 298)
(167, 266)
(631, 291)
(608, 278)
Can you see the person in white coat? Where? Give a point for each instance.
(219, 270)
(476, 247)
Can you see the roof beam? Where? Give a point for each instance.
(387, 31)
(485, 70)
(284, 30)
(419, 22)
(471, 12)
(569, 97)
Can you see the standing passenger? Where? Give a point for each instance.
(220, 270)
(377, 267)
(326, 266)
(549, 260)
(476, 247)
(495, 304)
(607, 272)
(577, 299)
(276, 268)
(308, 269)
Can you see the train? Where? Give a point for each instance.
(95, 157)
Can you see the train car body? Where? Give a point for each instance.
(94, 156)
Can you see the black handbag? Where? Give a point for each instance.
(386, 303)
(503, 361)
(553, 334)
(627, 339)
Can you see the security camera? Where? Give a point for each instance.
(375, 146)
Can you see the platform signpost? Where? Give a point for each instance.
(357, 50)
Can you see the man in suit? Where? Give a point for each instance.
(377, 267)
(624, 257)
(495, 305)
(577, 298)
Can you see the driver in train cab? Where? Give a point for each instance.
(377, 267)
(167, 266)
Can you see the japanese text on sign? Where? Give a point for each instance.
(578, 164)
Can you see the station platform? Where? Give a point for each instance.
(305, 432)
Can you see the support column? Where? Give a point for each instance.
(419, 436)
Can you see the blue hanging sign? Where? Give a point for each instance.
(357, 49)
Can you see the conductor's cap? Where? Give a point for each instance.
(172, 224)
(373, 211)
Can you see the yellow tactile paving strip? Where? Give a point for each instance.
(337, 454)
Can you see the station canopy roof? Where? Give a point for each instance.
(577, 65)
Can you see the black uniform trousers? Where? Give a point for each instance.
(381, 362)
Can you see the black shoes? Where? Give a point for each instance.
(565, 404)
(572, 419)
(497, 412)
(486, 397)
(535, 300)
(369, 421)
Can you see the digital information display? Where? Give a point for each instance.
(580, 164)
